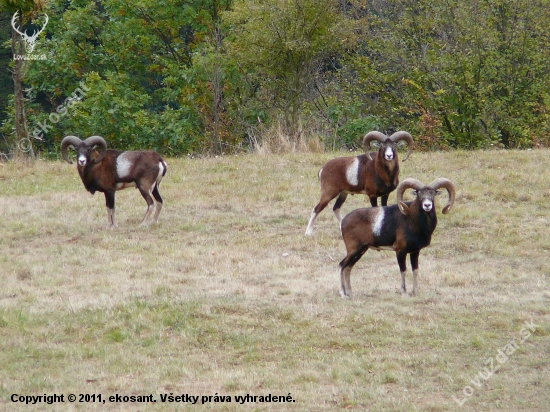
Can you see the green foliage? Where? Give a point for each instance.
(185, 76)
(23, 6)
(127, 123)
(463, 74)
(7, 128)
(133, 60)
(351, 125)
(279, 46)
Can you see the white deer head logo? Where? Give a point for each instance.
(29, 40)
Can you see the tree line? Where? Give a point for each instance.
(219, 76)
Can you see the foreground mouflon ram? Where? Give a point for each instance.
(110, 170)
(373, 174)
(405, 228)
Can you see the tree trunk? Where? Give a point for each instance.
(23, 145)
(216, 89)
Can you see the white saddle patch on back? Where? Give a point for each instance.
(352, 172)
(123, 165)
(378, 220)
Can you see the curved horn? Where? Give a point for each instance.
(65, 143)
(97, 141)
(369, 137)
(401, 135)
(441, 182)
(409, 183)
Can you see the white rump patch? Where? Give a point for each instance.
(162, 167)
(123, 165)
(377, 226)
(352, 172)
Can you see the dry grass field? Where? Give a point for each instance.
(227, 297)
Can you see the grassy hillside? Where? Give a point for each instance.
(227, 297)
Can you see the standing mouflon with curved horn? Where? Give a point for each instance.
(374, 176)
(110, 170)
(405, 228)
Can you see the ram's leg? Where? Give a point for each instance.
(325, 199)
(155, 190)
(150, 204)
(158, 206)
(345, 282)
(110, 204)
(345, 269)
(373, 201)
(414, 266)
(384, 200)
(338, 204)
(401, 261)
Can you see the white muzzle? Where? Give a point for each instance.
(82, 160)
(388, 154)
